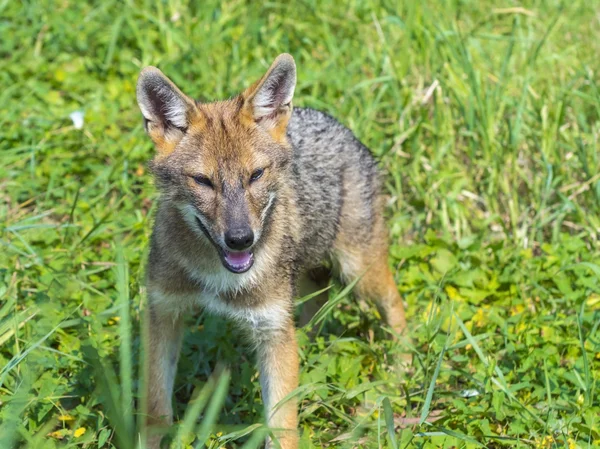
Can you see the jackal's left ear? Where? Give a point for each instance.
(167, 111)
(269, 101)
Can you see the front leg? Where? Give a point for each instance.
(165, 331)
(278, 363)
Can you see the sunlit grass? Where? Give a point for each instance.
(485, 119)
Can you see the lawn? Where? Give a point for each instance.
(485, 118)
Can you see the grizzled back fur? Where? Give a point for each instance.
(336, 183)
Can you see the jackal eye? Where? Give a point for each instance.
(256, 175)
(203, 181)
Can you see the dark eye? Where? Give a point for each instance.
(203, 181)
(256, 175)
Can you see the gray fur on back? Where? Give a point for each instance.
(330, 166)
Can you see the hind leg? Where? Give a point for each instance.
(378, 284)
(369, 262)
(360, 249)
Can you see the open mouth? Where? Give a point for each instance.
(235, 261)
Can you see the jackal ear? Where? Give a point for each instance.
(167, 111)
(269, 100)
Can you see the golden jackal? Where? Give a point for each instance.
(253, 197)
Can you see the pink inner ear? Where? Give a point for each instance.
(275, 93)
(278, 90)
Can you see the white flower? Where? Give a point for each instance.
(77, 118)
(469, 393)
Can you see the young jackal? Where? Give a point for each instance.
(254, 196)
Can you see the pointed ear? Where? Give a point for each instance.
(269, 100)
(167, 111)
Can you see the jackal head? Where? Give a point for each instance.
(221, 163)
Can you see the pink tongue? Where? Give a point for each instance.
(241, 258)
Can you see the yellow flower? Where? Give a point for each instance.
(453, 294)
(79, 432)
(520, 327)
(60, 75)
(431, 309)
(479, 317)
(515, 310)
(544, 443)
(593, 301)
(65, 418)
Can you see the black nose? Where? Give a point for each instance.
(239, 239)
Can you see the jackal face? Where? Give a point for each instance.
(222, 163)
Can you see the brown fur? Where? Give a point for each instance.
(206, 156)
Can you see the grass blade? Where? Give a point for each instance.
(389, 422)
(214, 408)
(125, 366)
(430, 390)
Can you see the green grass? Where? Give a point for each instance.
(485, 117)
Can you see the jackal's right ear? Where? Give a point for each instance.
(167, 111)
